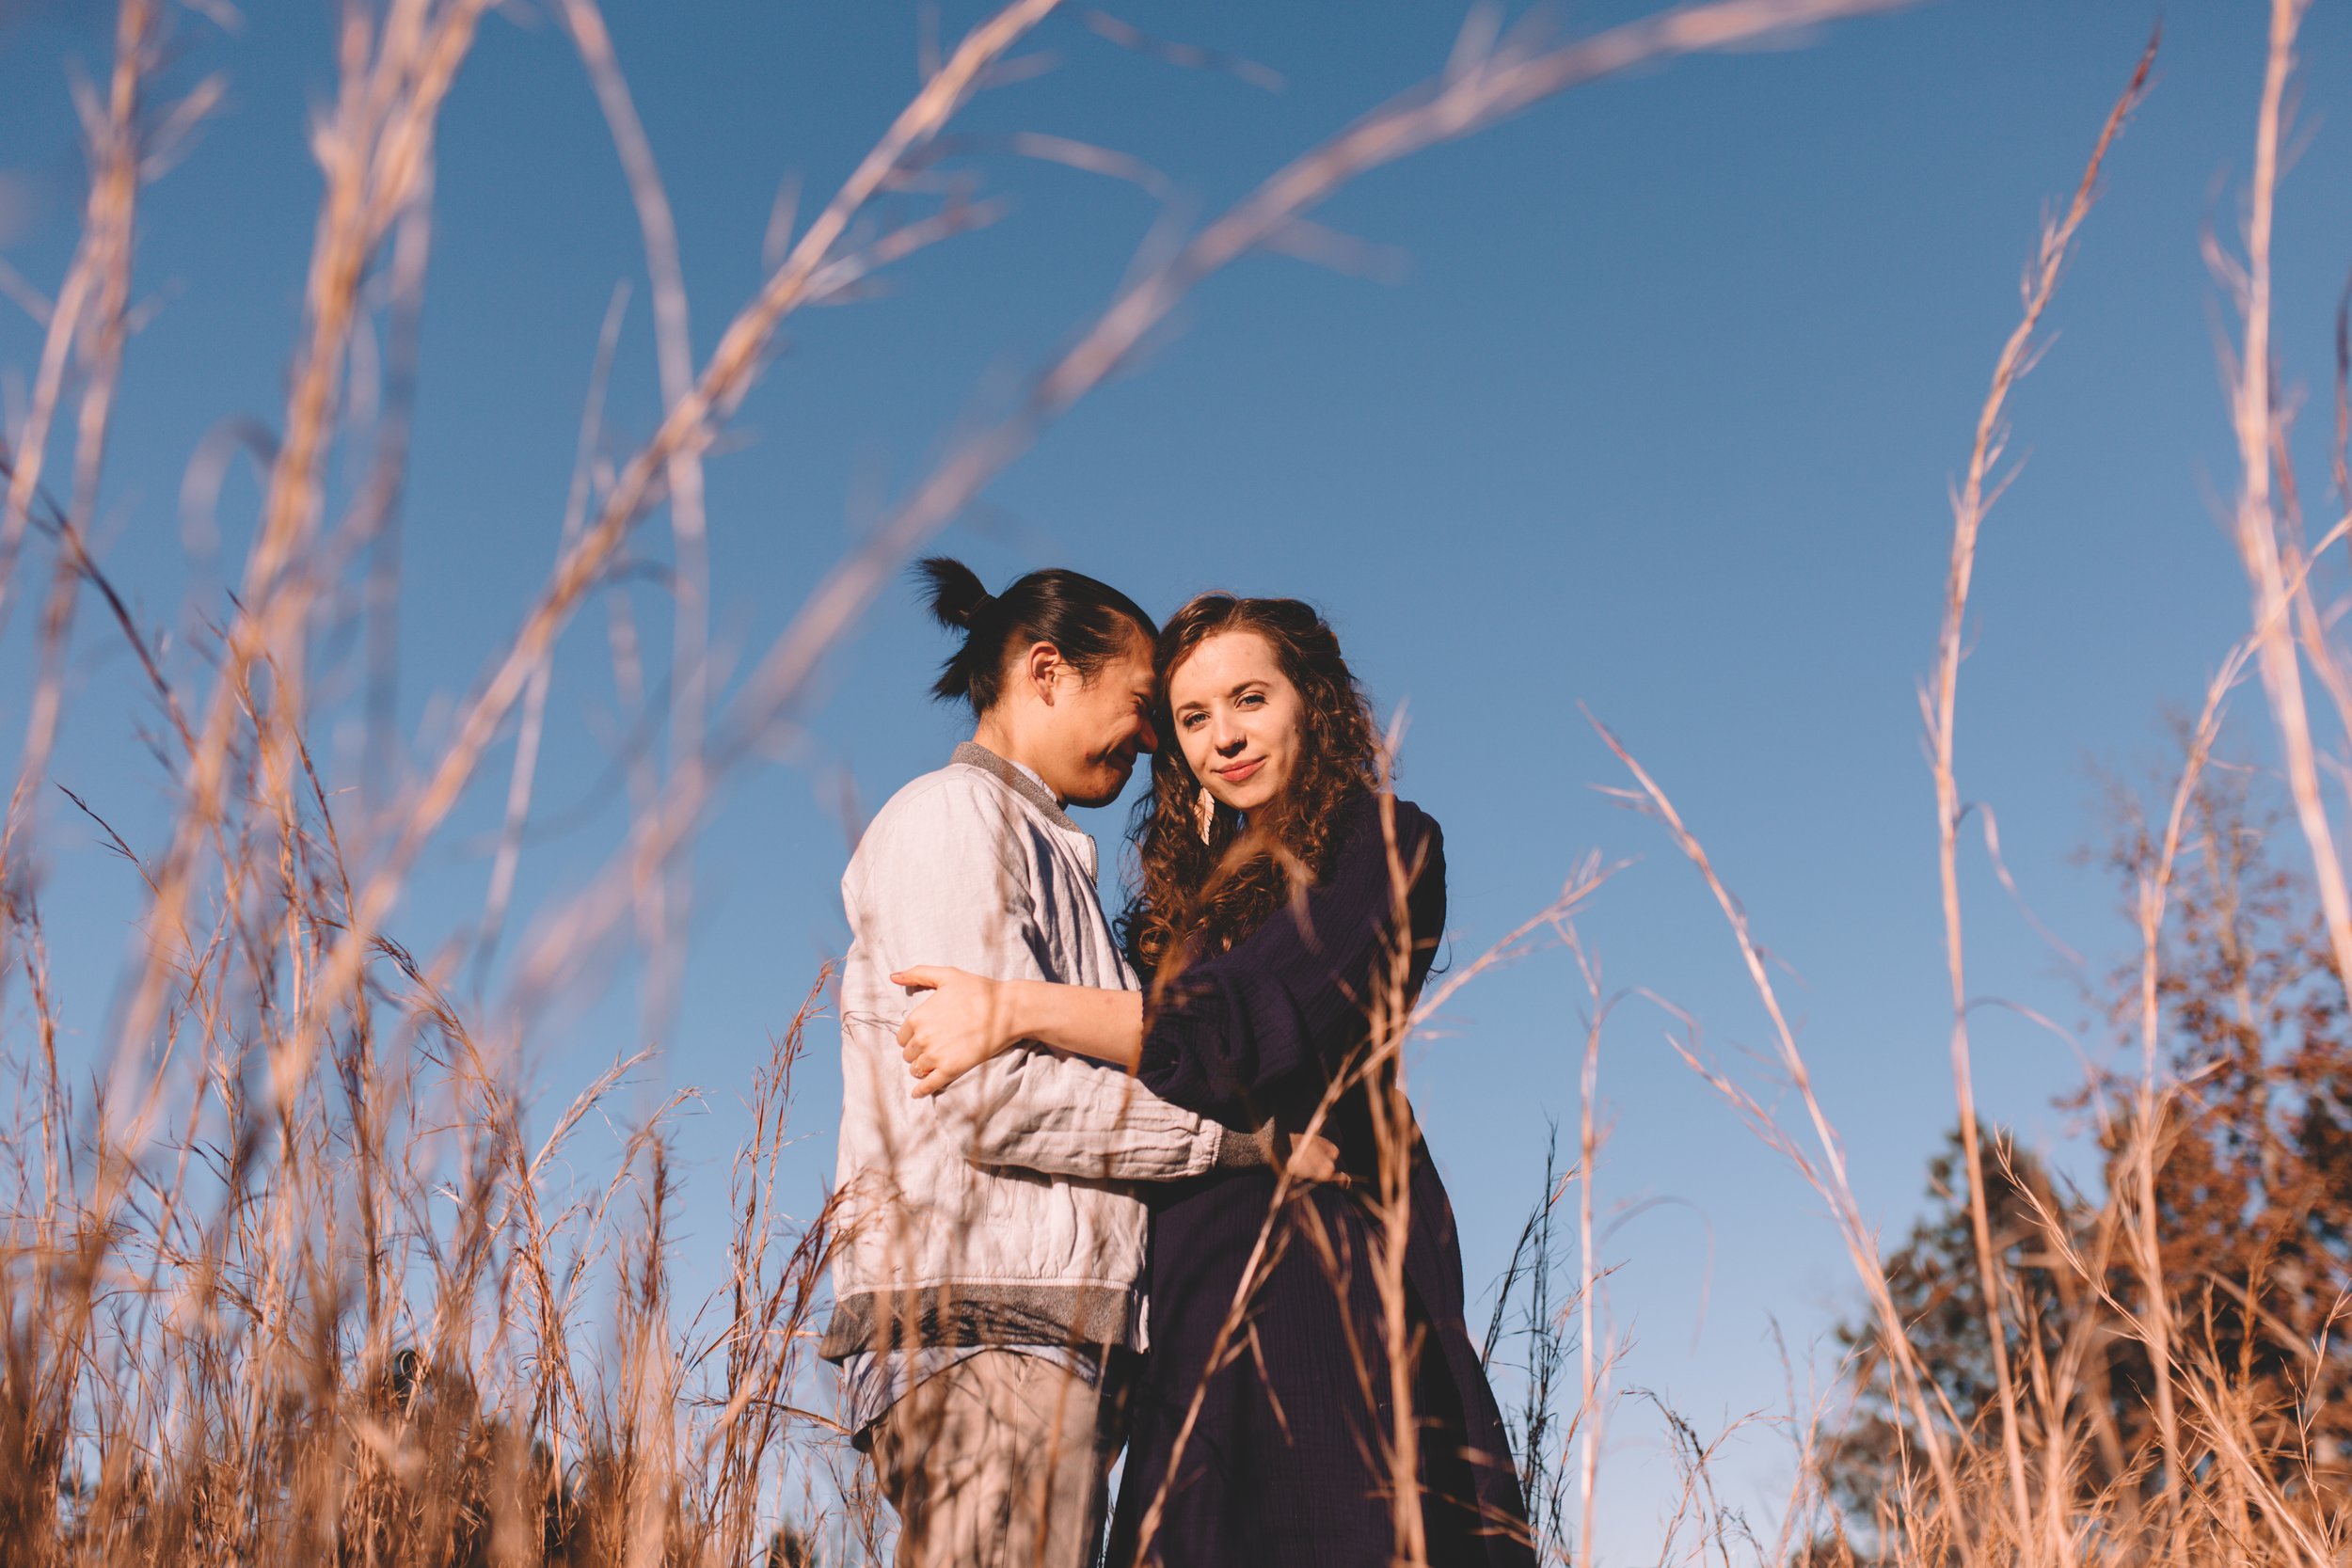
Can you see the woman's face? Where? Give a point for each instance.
(1238, 719)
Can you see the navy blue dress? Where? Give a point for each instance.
(1281, 1466)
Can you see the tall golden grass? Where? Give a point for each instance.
(304, 1277)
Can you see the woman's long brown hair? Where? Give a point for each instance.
(1200, 891)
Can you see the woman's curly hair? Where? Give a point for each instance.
(1203, 886)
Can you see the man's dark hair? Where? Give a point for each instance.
(1088, 623)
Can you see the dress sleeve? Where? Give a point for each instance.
(1284, 1007)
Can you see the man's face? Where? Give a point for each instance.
(1101, 724)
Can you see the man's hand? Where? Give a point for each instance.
(965, 1020)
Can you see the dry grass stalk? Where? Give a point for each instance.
(1591, 1384)
(2230, 1493)
(663, 907)
(341, 1316)
(1484, 83)
(1825, 1171)
(2274, 576)
(1939, 705)
(91, 310)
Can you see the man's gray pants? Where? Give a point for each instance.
(1001, 1460)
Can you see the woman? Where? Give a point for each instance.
(1287, 914)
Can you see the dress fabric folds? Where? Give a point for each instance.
(1284, 1460)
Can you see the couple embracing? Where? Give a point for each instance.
(1135, 1184)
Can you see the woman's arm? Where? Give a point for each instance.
(1234, 1026)
(968, 1019)
(1291, 1003)
(942, 879)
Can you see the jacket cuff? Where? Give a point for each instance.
(1242, 1150)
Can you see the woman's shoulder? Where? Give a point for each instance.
(1367, 821)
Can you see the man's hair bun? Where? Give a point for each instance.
(952, 591)
(1088, 623)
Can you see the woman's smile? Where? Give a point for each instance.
(1237, 717)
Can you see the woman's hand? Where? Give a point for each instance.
(967, 1019)
(1310, 1159)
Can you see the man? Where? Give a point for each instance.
(987, 1287)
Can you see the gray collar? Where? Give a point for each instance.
(972, 754)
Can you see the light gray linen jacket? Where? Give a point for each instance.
(996, 1211)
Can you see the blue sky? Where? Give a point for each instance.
(1658, 419)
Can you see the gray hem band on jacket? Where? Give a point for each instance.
(959, 1314)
